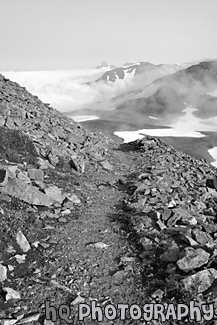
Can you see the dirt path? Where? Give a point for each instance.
(84, 220)
(85, 256)
(94, 246)
(107, 250)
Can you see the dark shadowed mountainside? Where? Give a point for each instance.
(170, 92)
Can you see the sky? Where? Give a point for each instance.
(77, 34)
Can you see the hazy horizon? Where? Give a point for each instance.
(77, 34)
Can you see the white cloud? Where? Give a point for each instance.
(64, 90)
(74, 89)
(69, 90)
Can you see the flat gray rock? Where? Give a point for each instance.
(193, 259)
(3, 273)
(26, 193)
(54, 193)
(200, 281)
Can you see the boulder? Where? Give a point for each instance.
(3, 273)
(193, 259)
(201, 237)
(54, 193)
(53, 160)
(36, 174)
(2, 121)
(201, 281)
(22, 242)
(26, 192)
(171, 254)
(106, 165)
(23, 177)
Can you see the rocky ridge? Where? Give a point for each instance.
(83, 218)
(173, 202)
(55, 136)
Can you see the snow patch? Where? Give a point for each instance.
(187, 126)
(83, 118)
(213, 93)
(129, 136)
(153, 117)
(213, 153)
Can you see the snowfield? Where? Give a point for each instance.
(187, 126)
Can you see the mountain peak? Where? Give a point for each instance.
(104, 64)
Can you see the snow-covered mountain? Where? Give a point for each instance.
(139, 69)
(180, 106)
(105, 65)
(116, 85)
(142, 88)
(142, 69)
(165, 96)
(138, 96)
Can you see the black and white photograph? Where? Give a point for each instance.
(108, 162)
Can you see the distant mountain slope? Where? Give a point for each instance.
(114, 86)
(104, 64)
(138, 69)
(83, 218)
(166, 95)
(117, 86)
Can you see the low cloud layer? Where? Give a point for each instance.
(137, 96)
(68, 91)
(64, 90)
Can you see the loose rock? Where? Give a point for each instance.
(11, 293)
(194, 258)
(3, 273)
(200, 281)
(22, 242)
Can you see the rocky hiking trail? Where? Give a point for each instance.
(81, 256)
(86, 219)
